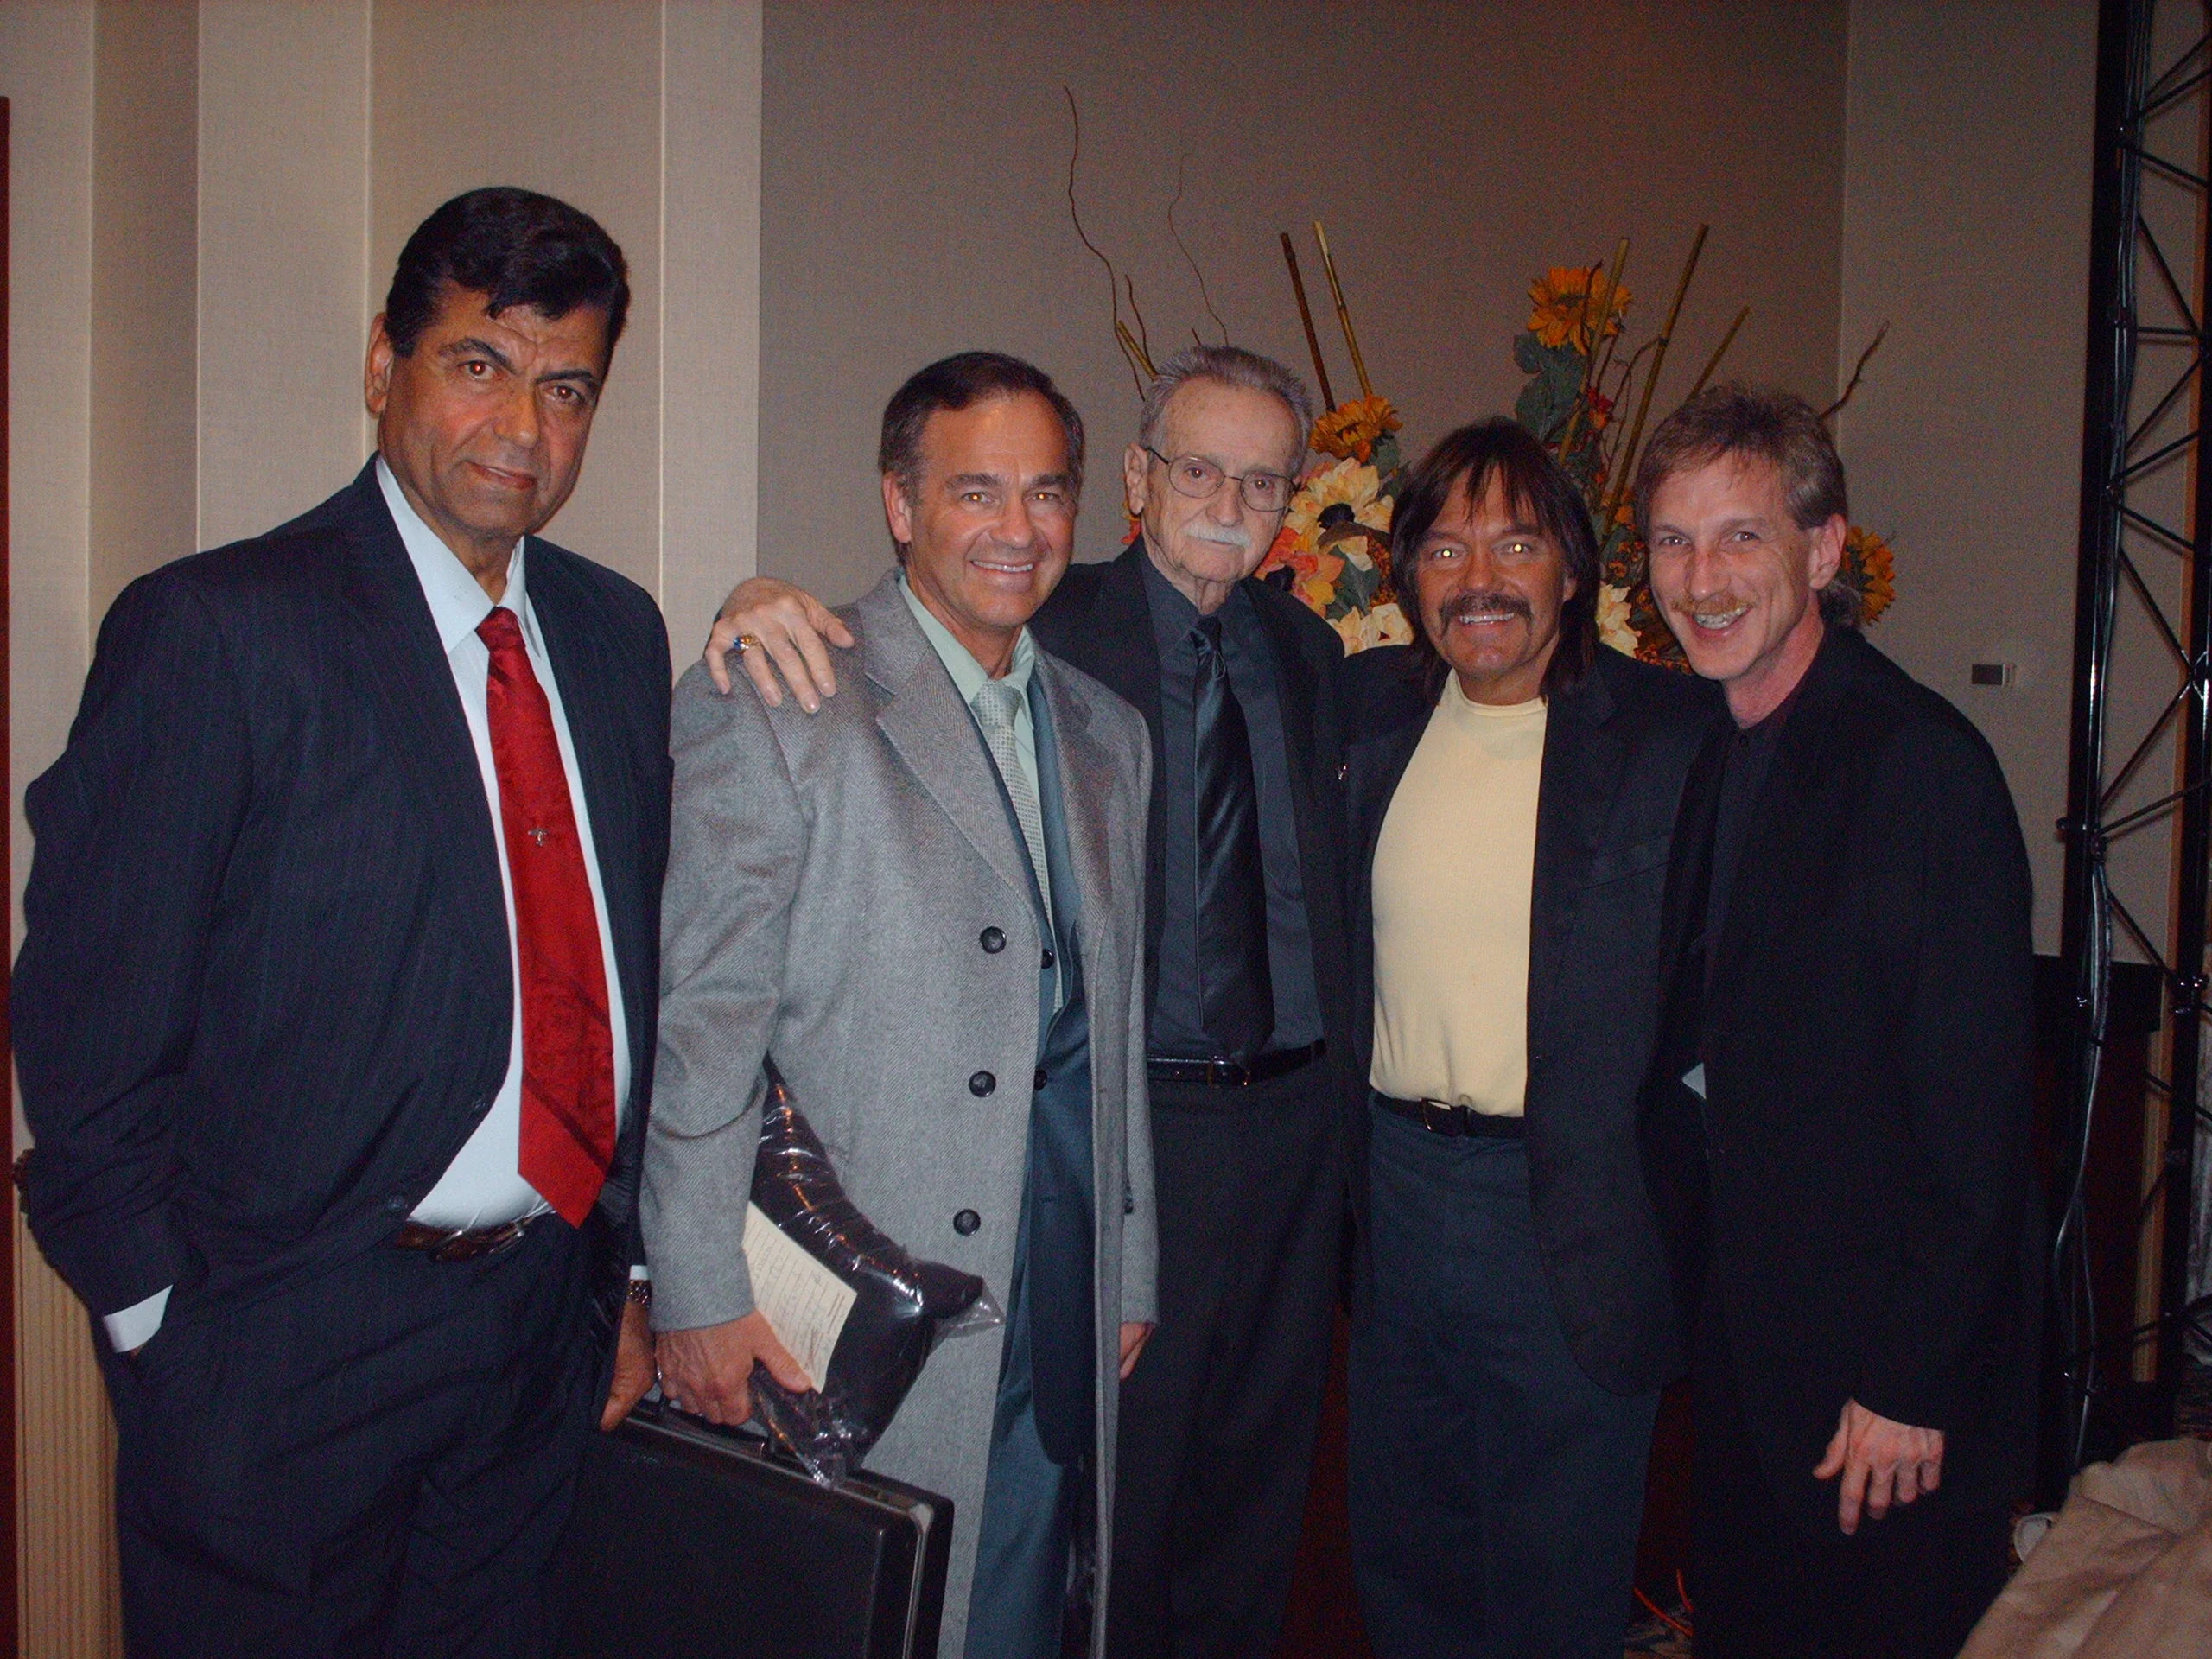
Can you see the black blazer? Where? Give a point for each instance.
(1616, 751)
(263, 994)
(1100, 619)
(1855, 1188)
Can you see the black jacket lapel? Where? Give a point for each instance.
(433, 744)
(1376, 762)
(1581, 774)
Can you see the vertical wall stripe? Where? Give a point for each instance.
(57, 1427)
(67, 1446)
(711, 223)
(284, 174)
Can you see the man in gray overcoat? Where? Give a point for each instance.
(927, 904)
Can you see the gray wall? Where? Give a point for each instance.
(914, 168)
(1966, 227)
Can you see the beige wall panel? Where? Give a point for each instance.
(1967, 228)
(915, 160)
(283, 207)
(64, 1540)
(66, 1446)
(559, 97)
(710, 335)
(145, 190)
(46, 58)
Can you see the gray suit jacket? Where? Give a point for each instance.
(830, 878)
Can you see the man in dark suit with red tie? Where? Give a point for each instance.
(334, 1013)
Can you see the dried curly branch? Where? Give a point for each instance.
(1857, 370)
(1205, 296)
(1113, 293)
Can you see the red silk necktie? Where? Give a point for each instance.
(568, 1047)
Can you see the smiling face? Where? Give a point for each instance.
(1205, 545)
(989, 524)
(484, 423)
(1491, 583)
(1735, 575)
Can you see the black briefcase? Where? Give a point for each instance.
(693, 1540)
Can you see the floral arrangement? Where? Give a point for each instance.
(1579, 380)
(1333, 548)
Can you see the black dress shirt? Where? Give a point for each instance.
(1176, 1028)
(1751, 753)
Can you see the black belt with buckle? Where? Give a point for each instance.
(1442, 1117)
(460, 1244)
(1235, 1074)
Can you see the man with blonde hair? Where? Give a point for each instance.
(1836, 1121)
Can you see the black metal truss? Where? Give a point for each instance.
(2121, 528)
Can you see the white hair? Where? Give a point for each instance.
(1233, 366)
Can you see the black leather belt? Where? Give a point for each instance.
(1235, 1074)
(460, 1244)
(1442, 1117)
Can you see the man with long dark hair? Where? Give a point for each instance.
(1511, 786)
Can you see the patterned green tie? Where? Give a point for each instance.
(996, 704)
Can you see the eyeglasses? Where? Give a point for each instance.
(1198, 478)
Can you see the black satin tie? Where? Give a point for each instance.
(1237, 998)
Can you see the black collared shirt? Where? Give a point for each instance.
(1750, 756)
(1176, 1027)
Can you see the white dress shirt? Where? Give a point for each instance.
(483, 1186)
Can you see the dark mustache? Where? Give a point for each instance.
(1461, 605)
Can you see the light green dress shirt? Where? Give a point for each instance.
(969, 676)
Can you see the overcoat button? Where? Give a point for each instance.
(1038, 1082)
(993, 939)
(1046, 962)
(966, 1222)
(981, 1084)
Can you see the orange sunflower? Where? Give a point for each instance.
(1565, 306)
(1871, 569)
(1351, 431)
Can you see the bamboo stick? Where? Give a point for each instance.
(1590, 356)
(1305, 316)
(1134, 353)
(1718, 351)
(1651, 380)
(1344, 312)
(1598, 370)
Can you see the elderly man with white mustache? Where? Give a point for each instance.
(1251, 1013)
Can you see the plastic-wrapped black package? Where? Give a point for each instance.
(902, 1308)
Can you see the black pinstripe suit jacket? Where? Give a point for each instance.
(263, 995)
